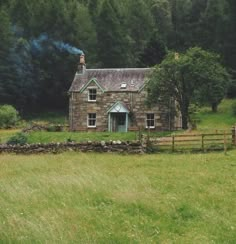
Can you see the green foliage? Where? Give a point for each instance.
(140, 33)
(193, 76)
(5, 30)
(112, 36)
(9, 116)
(123, 33)
(18, 139)
(193, 115)
(233, 106)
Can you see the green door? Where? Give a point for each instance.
(118, 122)
(121, 122)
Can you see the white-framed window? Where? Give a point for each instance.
(91, 122)
(123, 85)
(150, 120)
(92, 94)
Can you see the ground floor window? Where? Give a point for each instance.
(150, 121)
(92, 120)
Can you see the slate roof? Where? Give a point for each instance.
(111, 79)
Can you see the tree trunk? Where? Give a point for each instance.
(185, 115)
(184, 121)
(214, 107)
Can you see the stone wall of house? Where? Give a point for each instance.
(134, 147)
(134, 101)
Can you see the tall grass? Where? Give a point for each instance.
(108, 198)
(6, 134)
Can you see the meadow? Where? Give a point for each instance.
(111, 198)
(224, 119)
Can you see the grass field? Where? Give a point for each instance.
(222, 120)
(109, 198)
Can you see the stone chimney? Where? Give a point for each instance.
(82, 65)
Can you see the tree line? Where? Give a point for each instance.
(38, 37)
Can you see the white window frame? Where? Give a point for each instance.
(123, 85)
(92, 93)
(150, 120)
(90, 118)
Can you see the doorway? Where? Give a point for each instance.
(118, 122)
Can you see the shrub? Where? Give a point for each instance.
(20, 138)
(9, 116)
(54, 128)
(193, 115)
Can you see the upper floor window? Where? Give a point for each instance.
(150, 121)
(92, 94)
(91, 120)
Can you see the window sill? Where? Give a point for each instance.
(92, 101)
(90, 126)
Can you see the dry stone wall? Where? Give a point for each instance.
(130, 147)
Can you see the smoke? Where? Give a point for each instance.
(38, 45)
(67, 47)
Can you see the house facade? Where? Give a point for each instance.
(114, 100)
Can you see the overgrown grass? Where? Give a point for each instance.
(223, 119)
(107, 198)
(45, 137)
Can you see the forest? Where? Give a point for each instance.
(41, 40)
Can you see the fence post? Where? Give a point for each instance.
(203, 143)
(173, 143)
(225, 144)
(234, 135)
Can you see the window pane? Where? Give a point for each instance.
(92, 119)
(150, 116)
(150, 120)
(92, 94)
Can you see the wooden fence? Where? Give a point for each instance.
(219, 140)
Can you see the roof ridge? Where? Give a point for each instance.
(119, 69)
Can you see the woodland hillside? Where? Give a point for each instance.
(40, 41)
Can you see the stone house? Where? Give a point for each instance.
(114, 100)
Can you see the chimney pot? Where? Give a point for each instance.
(82, 59)
(82, 65)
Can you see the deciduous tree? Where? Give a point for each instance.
(187, 78)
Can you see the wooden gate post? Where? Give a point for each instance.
(234, 135)
(225, 143)
(203, 149)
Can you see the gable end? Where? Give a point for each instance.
(91, 81)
